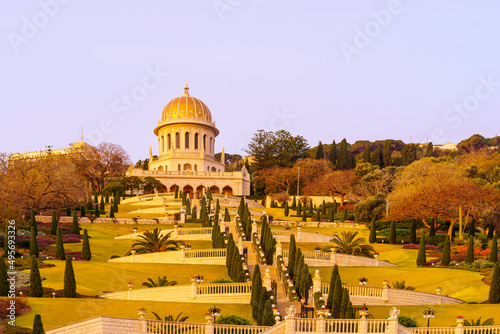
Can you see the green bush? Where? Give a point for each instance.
(407, 321)
(232, 319)
(436, 239)
(400, 232)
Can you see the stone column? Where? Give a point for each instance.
(144, 327)
(385, 292)
(175, 233)
(333, 256)
(279, 247)
(363, 322)
(376, 259)
(316, 282)
(194, 290)
(183, 253)
(267, 280)
(254, 227)
(321, 325)
(299, 234)
(460, 326)
(393, 321)
(438, 291)
(290, 320)
(209, 326)
(183, 215)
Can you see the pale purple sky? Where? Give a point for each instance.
(322, 69)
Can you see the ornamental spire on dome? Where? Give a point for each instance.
(186, 90)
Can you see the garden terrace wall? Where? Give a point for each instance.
(100, 325)
(86, 220)
(216, 256)
(322, 259)
(284, 235)
(337, 223)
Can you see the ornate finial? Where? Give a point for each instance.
(186, 90)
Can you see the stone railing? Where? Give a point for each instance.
(319, 259)
(223, 288)
(214, 256)
(205, 253)
(192, 231)
(457, 330)
(238, 329)
(171, 327)
(284, 235)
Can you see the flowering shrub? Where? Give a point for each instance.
(415, 246)
(431, 262)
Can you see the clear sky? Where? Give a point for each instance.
(409, 69)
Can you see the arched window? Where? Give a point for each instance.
(195, 168)
(186, 141)
(177, 140)
(187, 166)
(205, 142)
(214, 169)
(169, 141)
(162, 142)
(196, 141)
(179, 167)
(211, 149)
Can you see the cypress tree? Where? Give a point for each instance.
(112, 212)
(343, 156)
(268, 316)
(337, 298)
(115, 205)
(60, 254)
(392, 235)
(53, 225)
(4, 285)
(36, 289)
(311, 207)
(292, 250)
(34, 244)
(493, 250)
(344, 303)
(491, 231)
(350, 311)
(75, 229)
(422, 256)
(193, 214)
(69, 280)
(318, 216)
(96, 212)
(101, 205)
(86, 253)
(331, 218)
(176, 193)
(287, 210)
(106, 197)
(95, 198)
(366, 155)
(82, 211)
(33, 221)
(299, 208)
(469, 257)
(264, 297)
(333, 278)
(344, 215)
(227, 217)
(323, 208)
(386, 154)
(89, 205)
(472, 228)
(38, 325)
(432, 230)
(333, 153)
(494, 295)
(319, 152)
(429, 152)
(256, 291)
(373, 232)
(304, 217)
(294, 203)
(413, 232)
(445, 259)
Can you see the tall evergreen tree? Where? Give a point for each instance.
(287, 210)
(227, 217)
(38, 325)
(53, 225)
(101, 204)
(33, 221)
(299, 208)
(429, 152)
(376, 158)
(36, 289)
(333, 153)
(472, 228)
(292, 250)
(350, 311)
(96, 211)
(493, 250)
(176, 194)
(86, 253)
(333, 278)
(469, 257)
(294, 203)
(392, 234)
(343, 162)
(373, 232)
(432, 229)
(268, 316)
(386, 154)
(75, 229)
(115, 206)
(337, 298)
(413, 232)
(69, 280)
(366, 155)
(494, 294)
(60, 254)
(344, 303)
(4, 285)
(264, 297)
(34, 244)
(421, 256)
(446, 258)
(311, 207)
(95, 198)
(106, 198)
(319, 152)
(318, 216)
(112, 212)
(304, 216)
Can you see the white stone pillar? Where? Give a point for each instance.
(385, 292)
(254, 228)
(393, 321)
(209, 326)
(240, 246)
(321, 325)
(299, 234)
(333, 256)
(194, 290)
(316, 282)
(279, 247)
(460, 326)
(183, 253)
(183, 215)
(267, 280)
(376, 259)
(290, 323)
(175, 233)
(363, 322)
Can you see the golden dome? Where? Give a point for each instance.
(186, 106)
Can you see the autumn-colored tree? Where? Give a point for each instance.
(335, 184)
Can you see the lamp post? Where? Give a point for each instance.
(215, 312)
(428, 314)
(363, 281)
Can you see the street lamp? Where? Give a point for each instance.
(428, 314)
(214, 311)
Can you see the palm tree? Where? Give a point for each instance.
(169, 330)
(154, 241)
(171, 317)
(401, 285)
(487, 322)
(347, 243)
(161, 281)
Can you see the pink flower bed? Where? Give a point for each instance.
(415, 246)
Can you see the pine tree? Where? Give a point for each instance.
(101, 205)
(86, 253)
(75, 229)
(69, 280)
(432, 229)
(299, 208)
(429, 152)
(112, 212)
(376, 158)
(343, 156)
(256, 291)
(386, 154)
(36, 289)
(494, 295)
(38, 325)
(34, 244)
(294, 203)
(366, 155)
(469, 257)
(422, 256)
(445, 259)
(4, 285)
(292, 250)
(33, 221)
(333, 278)
(53, 225)
(337, 298)
(268, 316)
(319, 152)
(333, 153)
(413, 232)
(60, 254)
(287, 210)
(392, 234)
(493, 250)
(373, 232)
(344, 303)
